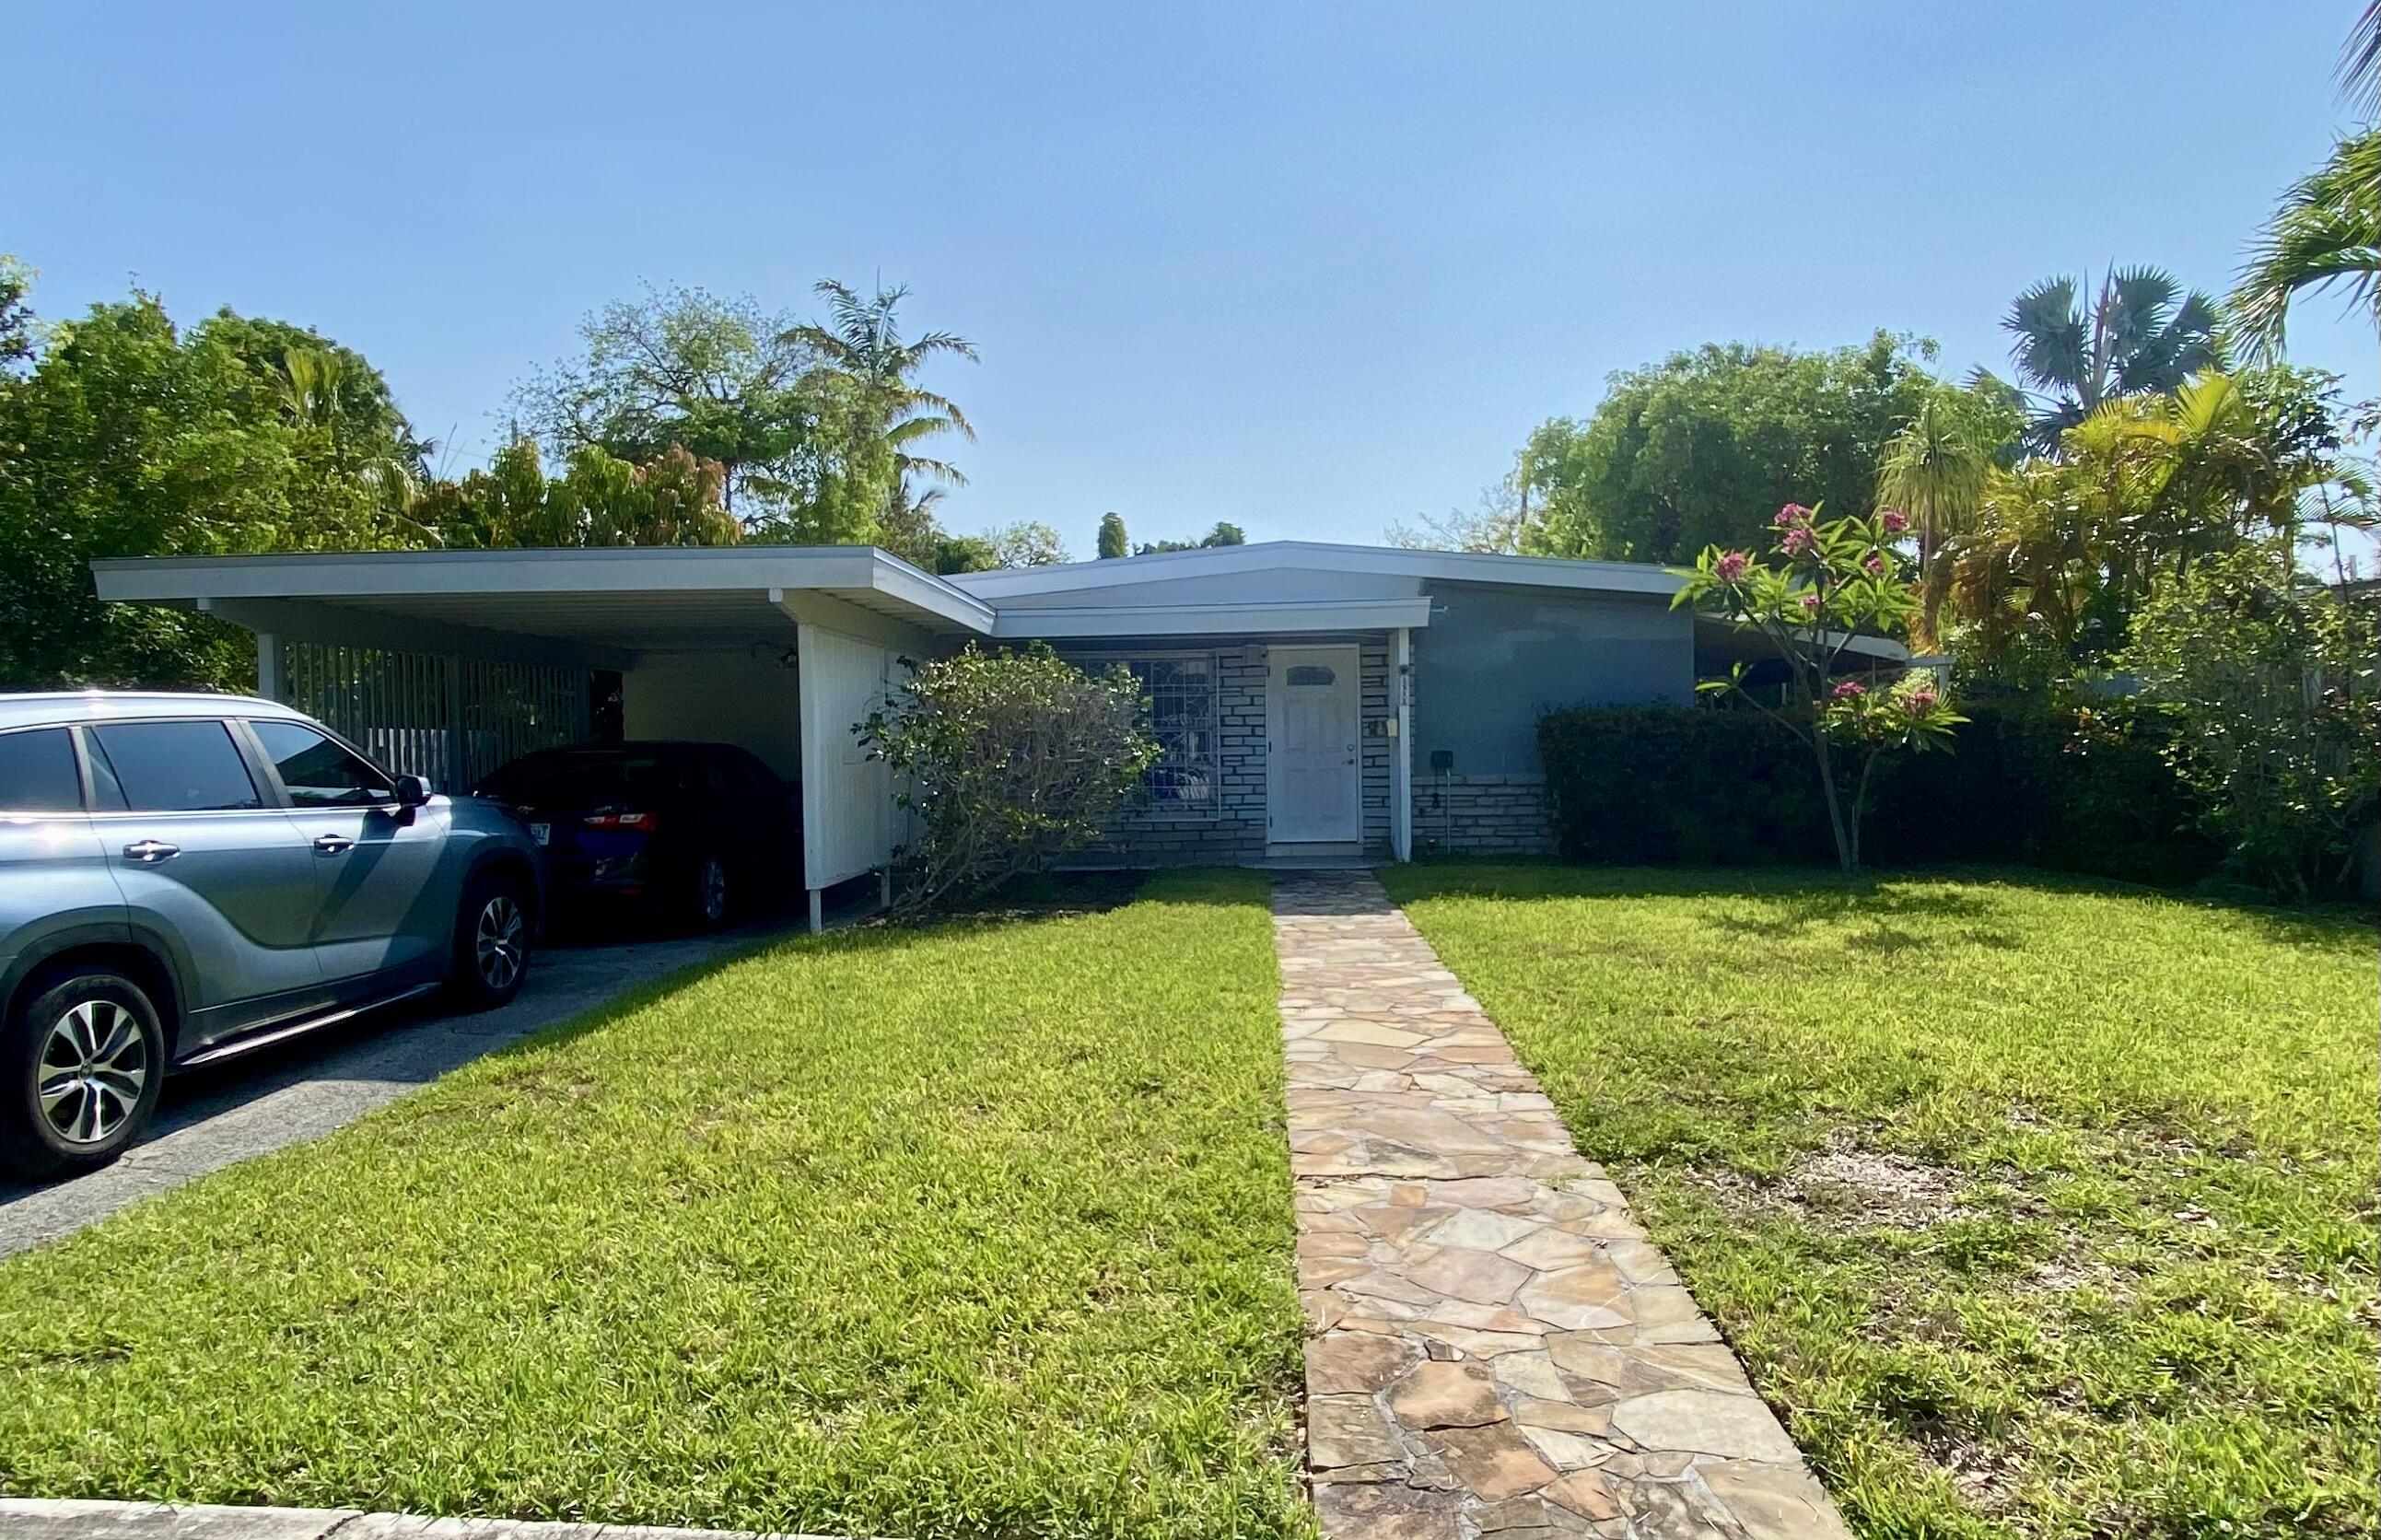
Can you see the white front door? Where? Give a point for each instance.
(1313, 720)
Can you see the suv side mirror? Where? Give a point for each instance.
(411, 790)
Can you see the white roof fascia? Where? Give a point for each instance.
(1883, 647)
(1447, 566)
(714, 568)
(1098, 620)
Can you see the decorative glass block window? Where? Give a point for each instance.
(1181, 715)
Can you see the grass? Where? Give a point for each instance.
(2041, 1209)
(969, 1231)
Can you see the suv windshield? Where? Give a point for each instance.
(580, 777)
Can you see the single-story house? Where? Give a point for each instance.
(1313, 701)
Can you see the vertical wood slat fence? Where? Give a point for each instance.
(452, 719)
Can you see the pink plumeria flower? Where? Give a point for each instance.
(1731, 566)
(1798, 540)
(1894, 522)
(1849, 690)
(1790, 515)
(1810, 603)
(1922, 699)
(1873, 561)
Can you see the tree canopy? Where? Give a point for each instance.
(818, 428)
(2063, 550)
(680, 366)
(1224, 533)
(687, 419)
(129, 437)
(1700, 449)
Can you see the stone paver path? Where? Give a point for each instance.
(1496, 1349)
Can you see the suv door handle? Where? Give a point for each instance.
(151, 851)
(331, 845)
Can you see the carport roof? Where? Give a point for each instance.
(606, 601)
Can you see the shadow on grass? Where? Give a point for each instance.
(1794, 900)
(1021, 907)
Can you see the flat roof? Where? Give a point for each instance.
(859, 575)
(611, 603)
(1479, 567)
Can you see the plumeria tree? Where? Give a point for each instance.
(1827, 583)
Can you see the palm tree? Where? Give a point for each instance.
(1934, 470)
(862, 342)
(312, 382)
(2360, 64)
(2143, 334)
(2326, 230)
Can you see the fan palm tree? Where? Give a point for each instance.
(2326, 230)
(1934, 470)
(861, 340)
(2142, 333)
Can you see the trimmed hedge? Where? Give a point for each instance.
(1697, 786)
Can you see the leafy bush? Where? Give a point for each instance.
(2268, 679)
(1008, 759)
(2078, 791)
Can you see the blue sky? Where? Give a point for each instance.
(1311, 268)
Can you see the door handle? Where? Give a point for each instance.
(151, 851)
(331, 845)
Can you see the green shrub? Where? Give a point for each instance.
(1009, 760)
(2268, 682)
(2072, 791)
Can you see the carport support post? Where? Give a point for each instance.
(1401, 755)
(818, 910)
(268, 666)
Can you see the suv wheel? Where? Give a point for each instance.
(712, 895)
(491, 943)
(83, 1061)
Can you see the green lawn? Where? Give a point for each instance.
(2042, 1209)
(978, 1230)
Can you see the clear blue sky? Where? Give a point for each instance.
(1311, 268)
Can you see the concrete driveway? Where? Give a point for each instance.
(305, 1088)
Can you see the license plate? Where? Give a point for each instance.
(540, 832)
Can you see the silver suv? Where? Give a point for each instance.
(186, 877)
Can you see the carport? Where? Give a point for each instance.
(446, 664)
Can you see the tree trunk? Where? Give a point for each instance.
(1860, 805)
(1930, 550)
(1847, 853)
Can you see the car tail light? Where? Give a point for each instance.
(644, 822)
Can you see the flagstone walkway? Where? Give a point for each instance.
(1496, 1349)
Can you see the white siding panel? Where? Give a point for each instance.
(849, 824)
(745, 698)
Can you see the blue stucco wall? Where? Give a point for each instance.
(1493, 660)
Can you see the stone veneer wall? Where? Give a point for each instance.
(1234, 833)
(1482, 815)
